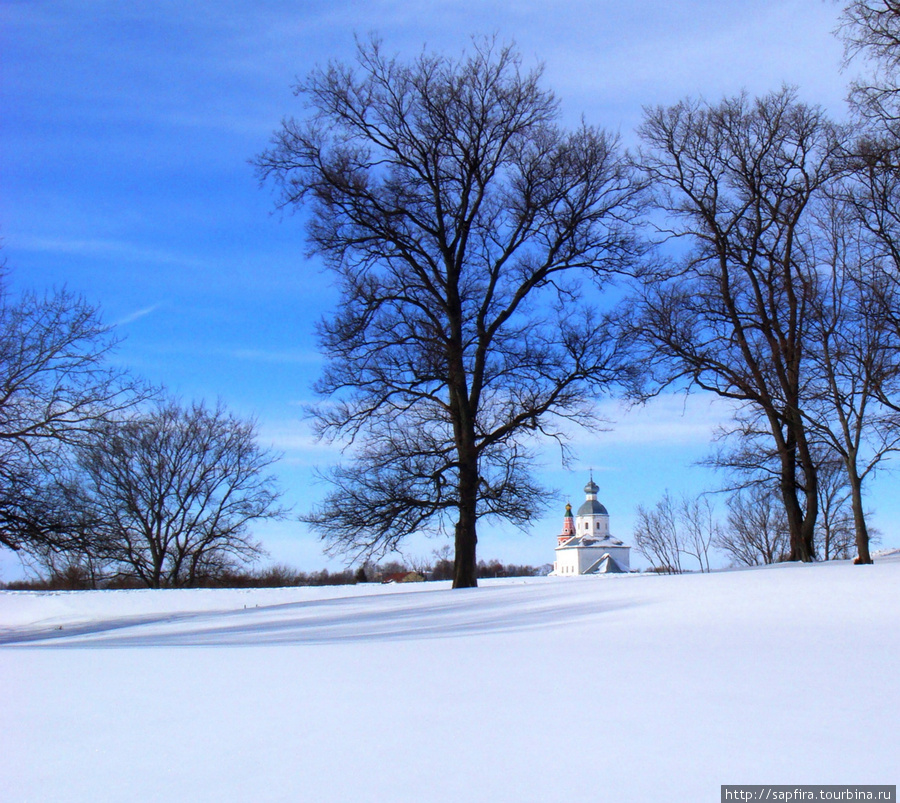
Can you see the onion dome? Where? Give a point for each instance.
(591, 507)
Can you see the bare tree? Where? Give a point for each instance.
(836, 531)
(856, 365)
(701, 529)
(674, 529)
(172, 492)
(756, 531)
(656, 536)
(73, 563)
(56, 384)
(736, 181)
(871, 31)
(442, 569)
(453, 210)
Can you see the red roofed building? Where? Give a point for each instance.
(403, 577)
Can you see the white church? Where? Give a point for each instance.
(585, 546)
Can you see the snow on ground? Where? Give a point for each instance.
(627, 688)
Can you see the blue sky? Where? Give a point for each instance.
(125, 136)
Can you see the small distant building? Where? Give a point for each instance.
(585, 546)
(403, 577)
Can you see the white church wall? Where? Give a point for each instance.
(566, 562)
(577, 560)
(594, 525)
(591, 523)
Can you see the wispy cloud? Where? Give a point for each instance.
(669, 420)
(119, 249)
(672, 420)
(137, 315)
(294, 438)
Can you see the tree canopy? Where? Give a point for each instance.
(457, 215)
(56, 385)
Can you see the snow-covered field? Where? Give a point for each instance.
(627, 688)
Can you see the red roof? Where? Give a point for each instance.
(402, 577)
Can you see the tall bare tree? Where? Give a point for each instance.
(757, 530)
(56, 384)
(736, 182)
(836, 531)
(172, 492)
(854, 358)
(456, 214)
(871, 31)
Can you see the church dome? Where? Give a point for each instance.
(591, 507)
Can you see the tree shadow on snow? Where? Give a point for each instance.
(394, 617)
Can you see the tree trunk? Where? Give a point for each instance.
(801, 518)
(859, 517)
(464, 564)
(800, 527)
(808, 532)
(810, 495)
(794, 520)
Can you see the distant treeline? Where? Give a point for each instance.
(79, 577)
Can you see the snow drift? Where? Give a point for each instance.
(543, 689)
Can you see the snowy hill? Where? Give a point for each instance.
(624, 688)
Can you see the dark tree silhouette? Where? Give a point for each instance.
(756, 532)
(56, 384)
(456, 215)
(737, 182)
(871, 31)
(171, 493)
(854, 360)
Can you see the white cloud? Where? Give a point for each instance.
(668, 420)
(294, 438)
(104, 248)
(137, 315)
